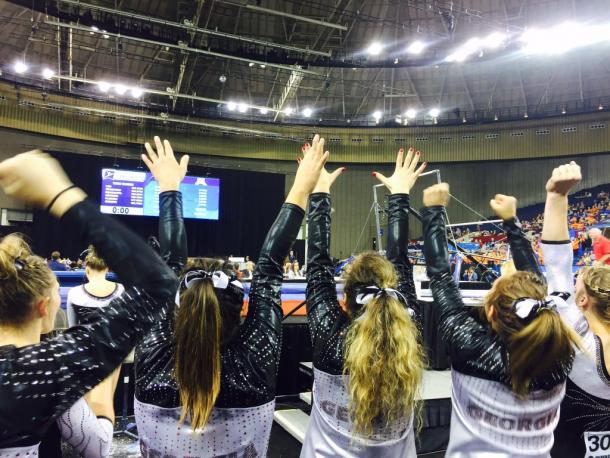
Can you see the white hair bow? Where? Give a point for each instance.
(371, 292)
(527, 308)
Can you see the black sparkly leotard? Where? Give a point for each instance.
(38, 383)
(241, 420)
(487, 417)
(329, 428)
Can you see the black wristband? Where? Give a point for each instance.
(58, 196)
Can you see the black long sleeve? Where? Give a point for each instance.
(39, 382)
(474, 347)
(521, 248)
(326, 318)
(250, 360)
(397, 248)
(172, 234)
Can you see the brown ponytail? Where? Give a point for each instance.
(206, 319)
(383, 356)
(197, 340)
(534, 349)
(23, 278)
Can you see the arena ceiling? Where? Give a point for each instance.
(312, 61)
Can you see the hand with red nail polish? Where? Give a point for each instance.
(326, 179)
(405, 173)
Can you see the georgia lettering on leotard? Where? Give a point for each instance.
(147, 452)
(481, 415)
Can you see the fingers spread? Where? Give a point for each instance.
(399, 158)
(184, 161)
(151, 152)
(159, 146)
(168, 148)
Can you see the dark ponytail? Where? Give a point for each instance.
(197, 340)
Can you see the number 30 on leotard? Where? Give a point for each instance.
(597, 444)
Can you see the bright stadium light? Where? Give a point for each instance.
(242, 107)
(434, 112)
(472, 46)
(263, 111)
(410, 113)
(231, 106)
(494, 40)
(136, 92)
(288, 111)
(377, 115)
(374, 48)
(120, 89)
(47, 73)
(417, 47)
(307, 112)
(103, 86)
(20, 67)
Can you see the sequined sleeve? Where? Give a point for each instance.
(397, 248)
(521, 248)
(172, 234)
(39, 382)
(473, 347)
(260, 335)
(326, 318)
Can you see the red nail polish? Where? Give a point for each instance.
(401, 150)
(344, 169)
(374, 174)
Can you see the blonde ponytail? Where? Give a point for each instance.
(383, 356)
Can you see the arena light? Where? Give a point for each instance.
(93, 30)
(242, 107)
(494, 40)
(417, 47)
(563, 37)
(105, 34)
(20, 67)
(231, 106)
(103, 86)
(600, 107)
(411, 113)
(288, 111)
(307, 112)
(47, 73)
(136, 92)
(398, 119)
(374, 48)
(120, 89)
(563, 110)
(377, 115)
(251, 64)
(434, 112)
(469, 48)
(263, 111)
(525, 115)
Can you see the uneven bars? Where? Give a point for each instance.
(489, 221)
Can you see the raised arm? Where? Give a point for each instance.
(265, 310)
(556, 245)
(400, 185)
(520, 247)
(84, 355)
(465, 337)
(169, 173)
(323, 308)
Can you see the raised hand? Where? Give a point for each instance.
(405, 174)
(37, 179)
(436, 195)
(326, 179)
(563, 179)
(163, 165)
(308, 173)
(504, 206)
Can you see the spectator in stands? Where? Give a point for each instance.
(42, 383)
(249, 267)
(509, 366)
(585, 418)
(471, 275)
(368, 362)
(84, 300)
(55, 262)
(601, 247)
(205, 384)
